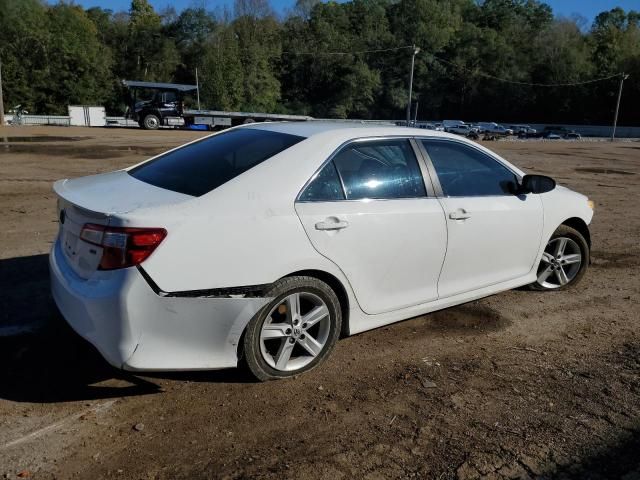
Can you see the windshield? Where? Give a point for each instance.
(203, 166)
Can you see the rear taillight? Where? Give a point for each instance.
(122, 247)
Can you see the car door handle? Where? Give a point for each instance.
(460, 214)
(332, 224)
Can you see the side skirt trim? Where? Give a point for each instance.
(248, 291)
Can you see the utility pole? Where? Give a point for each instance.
(198, 88)
(1, 98)
(415, 114)
(416, 50)
(615, 118)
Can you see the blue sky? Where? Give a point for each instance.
(587, 8)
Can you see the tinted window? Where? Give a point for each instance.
(464, 171)
(324, 187)
(380, 169)
(170, 97)
(205, 165)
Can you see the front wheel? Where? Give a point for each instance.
(564, 261)
(294, 332)
(151, 122)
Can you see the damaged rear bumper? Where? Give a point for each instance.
(135, 328)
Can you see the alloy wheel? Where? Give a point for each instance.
(295, 331)
(560, 263)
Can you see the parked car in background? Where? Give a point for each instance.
(425, 125)
(551, 136)
(263, 244)
(460, 129)
(448, 124)
(551, 132)
(572, 135)
(463, 129)
(494, 129)
(439, 127)
(523, 130)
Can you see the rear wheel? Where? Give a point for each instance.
(564, 261)
(294, 332)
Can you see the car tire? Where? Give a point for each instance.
(280, 344)
(560, 268)
(151, 122)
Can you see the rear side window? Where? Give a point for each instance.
(325, 187)
(380, 169)
(466, 172)
(205, 165)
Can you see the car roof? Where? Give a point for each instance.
(354, 129)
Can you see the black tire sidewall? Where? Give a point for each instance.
(251, 353)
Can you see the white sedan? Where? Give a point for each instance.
(263, 244)
(462, 129)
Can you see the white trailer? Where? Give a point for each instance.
(87, 116)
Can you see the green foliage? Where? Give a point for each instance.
(23, 51)
(258, 41)
(54, 55)
(78, 64)
(152, 54)
(221, 73)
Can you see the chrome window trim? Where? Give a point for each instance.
(430, 192)
(436, 179)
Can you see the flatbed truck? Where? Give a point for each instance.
(153, 105)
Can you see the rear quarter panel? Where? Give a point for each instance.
(245, 232)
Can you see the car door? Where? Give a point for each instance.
(368, 210)
(493, 235)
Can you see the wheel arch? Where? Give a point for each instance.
(333, 282)
(149, 111)
(581, 226)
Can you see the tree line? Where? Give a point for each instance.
(479, 59)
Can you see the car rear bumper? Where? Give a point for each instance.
(136, 329)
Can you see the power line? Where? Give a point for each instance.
(392, 49)
(516, 82)
(461, 67)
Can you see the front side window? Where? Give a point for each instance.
(170, 97)
(380, 169)
(203, 166)
(466, 172)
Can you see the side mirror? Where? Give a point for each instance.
(537, 184)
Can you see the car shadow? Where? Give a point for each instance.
(55, 365)
(42, 360)
(228, 375)
(618, 460)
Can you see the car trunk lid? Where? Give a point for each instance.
(98, 199)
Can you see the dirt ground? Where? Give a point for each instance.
(518, 385)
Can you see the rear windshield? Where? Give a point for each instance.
(205, 165)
